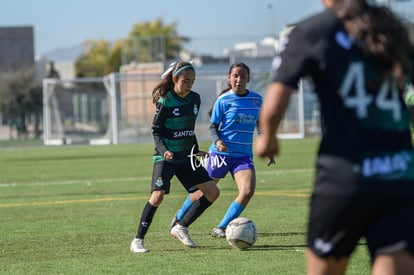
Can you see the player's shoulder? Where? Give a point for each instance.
(254, 94)
(161, 100)
(320, 25)
(194, 95)
(225, 95)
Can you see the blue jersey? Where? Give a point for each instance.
(237, 116)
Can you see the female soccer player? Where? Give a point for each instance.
(233, 121)
(177, 108)
(360, 60)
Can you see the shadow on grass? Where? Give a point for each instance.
(274, 234)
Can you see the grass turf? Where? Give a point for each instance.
(74, 210)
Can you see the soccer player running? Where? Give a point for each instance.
(233, 120)
(360, 59)
(177, 107)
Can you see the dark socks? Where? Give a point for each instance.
(146, 219)
(195, 211)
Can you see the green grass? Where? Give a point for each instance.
(74, 210)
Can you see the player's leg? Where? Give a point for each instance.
(210, 191)
(246, 185)
(188, 202)
(400, 262)
(316, 265)
(246, 182)
(160, 186)
(215, 172)
(390, 238)
(244, 175)
(210, 194)
(335, 225)
(180, 230)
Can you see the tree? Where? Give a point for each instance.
(152, 41)
(100, 58)
(147, 42)
(21, 98)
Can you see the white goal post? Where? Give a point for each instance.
(76, 111)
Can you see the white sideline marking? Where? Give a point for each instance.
(89, 182)
(86, 182)
(288, 171)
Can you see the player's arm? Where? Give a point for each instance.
(272, 160)
(214, 134)
(158, 127)
(271, 114)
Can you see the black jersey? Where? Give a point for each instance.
(362, 112)
(173, 125)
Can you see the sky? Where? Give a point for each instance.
(66, 23)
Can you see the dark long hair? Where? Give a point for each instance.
(167, 84)
(228, 88)
(382, 34)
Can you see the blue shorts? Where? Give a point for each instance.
(219, 165)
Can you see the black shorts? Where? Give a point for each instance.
(339, 220)
(189, 175)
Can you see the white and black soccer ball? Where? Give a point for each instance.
(241, 233)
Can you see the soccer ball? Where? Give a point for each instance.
(241, 233)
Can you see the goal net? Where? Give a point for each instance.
(76, 112)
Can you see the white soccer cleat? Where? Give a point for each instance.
(137, 246)
(218, 232)
(181, 232)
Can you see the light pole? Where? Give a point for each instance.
(272, 19)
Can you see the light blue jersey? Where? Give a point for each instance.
(237, 117)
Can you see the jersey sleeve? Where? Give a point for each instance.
(214, 132)
(198, 103)
(157, 128)
(217, 112)
(293, 61)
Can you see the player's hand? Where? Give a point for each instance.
(221, 146)
(266, 147)
(168, 155)
(272, 161)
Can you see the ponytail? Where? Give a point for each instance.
(380, 32)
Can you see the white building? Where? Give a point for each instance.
(264, 48)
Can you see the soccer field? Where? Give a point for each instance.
(74, 210)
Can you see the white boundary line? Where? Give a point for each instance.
(89, 182)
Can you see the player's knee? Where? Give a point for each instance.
(246, 193)
(156, 198)
(214, 193)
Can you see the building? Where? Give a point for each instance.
(16, 48)
(16, 53)
(264, 48)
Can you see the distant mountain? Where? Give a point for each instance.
(65, 54)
